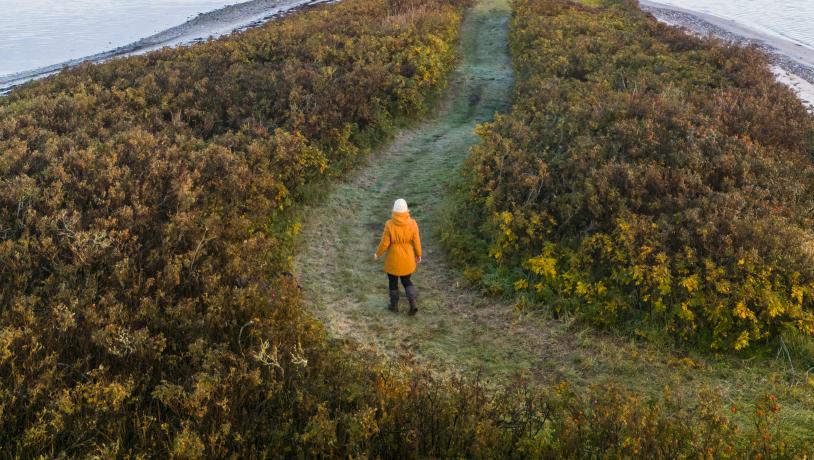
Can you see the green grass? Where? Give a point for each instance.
(457, 329)
(348, 291)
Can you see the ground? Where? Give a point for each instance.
(457, 329)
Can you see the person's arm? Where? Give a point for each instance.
(417, 244)
(384, 244)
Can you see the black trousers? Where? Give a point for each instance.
(394, 281)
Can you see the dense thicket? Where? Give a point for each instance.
(645, 175)
(145, 227)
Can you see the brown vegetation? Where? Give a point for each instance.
(145, 230)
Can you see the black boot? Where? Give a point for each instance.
(394, 301)
(412, 297)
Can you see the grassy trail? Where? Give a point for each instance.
(348, 290)
(456, 329)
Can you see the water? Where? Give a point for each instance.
(792, 20)
(38, 33)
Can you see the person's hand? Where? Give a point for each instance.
(418, 259)
(375, 256)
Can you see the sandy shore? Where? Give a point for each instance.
(232, 18)
(792, 63)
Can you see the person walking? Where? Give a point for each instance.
(403, 245)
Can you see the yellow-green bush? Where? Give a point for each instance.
(644, 175)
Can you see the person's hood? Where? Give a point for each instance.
(401, 218)
(400, 206)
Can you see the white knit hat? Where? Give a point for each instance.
(400, 206)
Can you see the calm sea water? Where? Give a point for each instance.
(38, 33)
(792, 20)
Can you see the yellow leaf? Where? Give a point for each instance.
(690, 283)
(543, 266)
(743, 341)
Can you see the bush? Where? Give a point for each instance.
(146, 223)
(645, 176)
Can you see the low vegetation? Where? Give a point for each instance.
(146, 310)
(145, 232)
(644, 178)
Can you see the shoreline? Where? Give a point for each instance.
(205, 26)
(792, 63)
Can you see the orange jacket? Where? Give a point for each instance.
(402, 243)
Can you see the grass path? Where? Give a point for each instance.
(456, 329)
(348, 290)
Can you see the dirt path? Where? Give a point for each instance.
(457, 329)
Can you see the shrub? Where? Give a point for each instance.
(146, 222)
(644, 175)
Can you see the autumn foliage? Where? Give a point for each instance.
(146, 224)
(644, 176)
